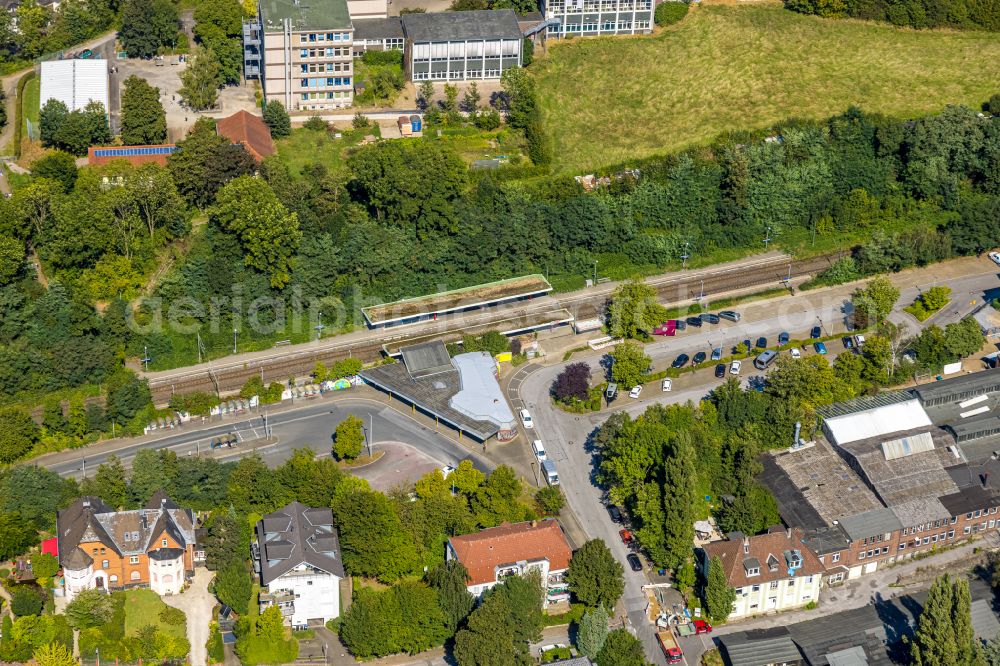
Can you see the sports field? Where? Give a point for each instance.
(722, 68)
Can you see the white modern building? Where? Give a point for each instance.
(770, 572)
(517, 549)
(582, 18)
(75, 82)
(297, 553)
(461, 46)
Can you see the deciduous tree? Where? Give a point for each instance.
(268, 233)
(143, 120)
(572, 382)
(633, 308)
(873, 302)
(201, 80)
(944, 633)
(450, 579)
(18, 433)
(629, 362)
(233, 586)
(621, 649)
(595, 577)
(348, 439)
(147, 25)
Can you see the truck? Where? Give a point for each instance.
(668, 644)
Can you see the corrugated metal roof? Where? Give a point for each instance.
(760, 647)
(877, 421)
(907, 446)
(75, 82)
(852, 656)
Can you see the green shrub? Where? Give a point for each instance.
(26, 601)
(216, 650)
(173, 616)
(4, 573)
(316, 123)
(198, 403)
(383, 58)
(669, 13)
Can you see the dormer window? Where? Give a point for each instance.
(772, 563)
(751, 565)
(128, 536)
(753, 572)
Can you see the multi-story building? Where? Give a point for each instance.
(494, 554)
(297, 553)
(575, 18)
(106, 549)
(769, 572)
(302, 53)
(459, 46)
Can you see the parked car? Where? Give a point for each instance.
(848, 342)
(702, 627)
(717, 353)
(734, 367)
(634, 393)
(859, 340)
(526, 419)
(538, 449)
(84, 54)
(615, 513)
(680, 361)
(680, 324)
(666, 328)
(626, 537)
(699, 358)
(730, 315)
(820, 348)
(816, 332)
(720, 370)
(667, 385)
(710, 318)
(694, 321)
(783, 338)
(796, 353)
(762, 342)
(748, 345)
(995, 256)
(634, 562)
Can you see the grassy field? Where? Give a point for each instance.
(30, 106)
(725, 68)
(142, 607)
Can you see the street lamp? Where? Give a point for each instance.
(685, 256)
(235, 331)
(145, 358)
(595, 271)
(369, 434)
(767, 238)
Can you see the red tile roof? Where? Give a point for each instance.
(248, 129)
(761, 548)
(510, 543)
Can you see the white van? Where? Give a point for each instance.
(550, 473)
(538, 449)
(859, 340)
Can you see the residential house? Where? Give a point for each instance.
(297, 553)
(110, 550)
(515, 549)
(769, 572)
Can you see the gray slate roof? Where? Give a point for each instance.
(870, 523)
(378, 28)
(294, 535)
(458, 26)
(760, 647)
(429, 358)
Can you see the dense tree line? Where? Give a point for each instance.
(32, 29)
(961, 14)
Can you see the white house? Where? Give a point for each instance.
(514, 550)
(298, 555)
(770, 572)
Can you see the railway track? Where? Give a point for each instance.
(228, 376)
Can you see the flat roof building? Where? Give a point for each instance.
(301, 52)
(134, 155)
(462, 391)
(460, 46)
(576, 18)
(75, 82)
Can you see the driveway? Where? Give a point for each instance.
(197, 603)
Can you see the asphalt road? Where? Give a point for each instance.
(310, 425)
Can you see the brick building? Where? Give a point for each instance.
(890, 478)
(106, 549)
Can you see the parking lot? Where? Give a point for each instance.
(165, 75)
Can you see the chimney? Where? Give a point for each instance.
(788, 533)
(163, 502)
